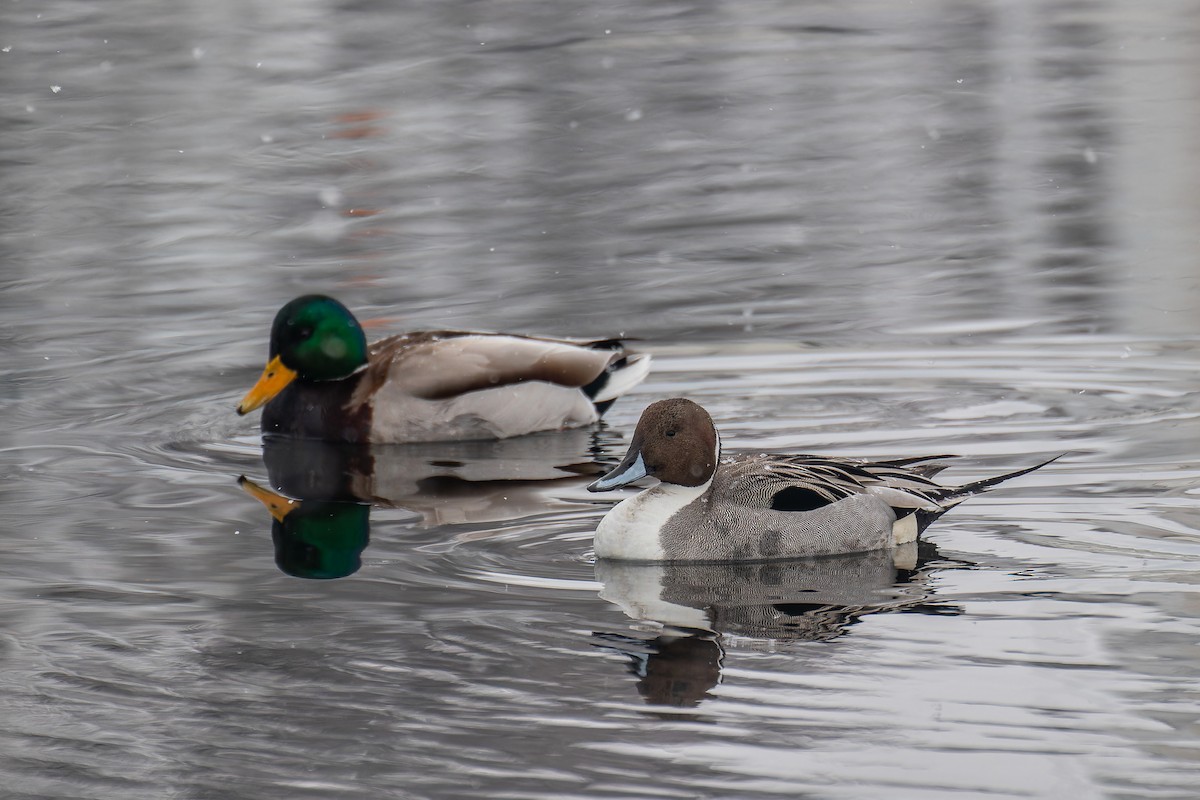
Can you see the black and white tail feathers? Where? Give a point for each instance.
(621, 375)
(953, 495)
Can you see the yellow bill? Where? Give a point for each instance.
(277, 504)
(274, 378)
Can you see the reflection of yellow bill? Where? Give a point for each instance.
(277, 504)
(274, 378)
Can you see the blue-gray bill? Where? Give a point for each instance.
(627, 472)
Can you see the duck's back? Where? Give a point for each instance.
(768, 507)
(456, 385)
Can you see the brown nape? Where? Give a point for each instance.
(678, 442)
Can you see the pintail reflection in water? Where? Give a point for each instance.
(696, 607)
(323, 491)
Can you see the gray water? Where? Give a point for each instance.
(873, 229)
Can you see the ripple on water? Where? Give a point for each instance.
(1024, 634)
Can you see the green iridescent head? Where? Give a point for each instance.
(318, 338)
(313, 338)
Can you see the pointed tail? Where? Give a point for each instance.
(955, 495)
(975, 487)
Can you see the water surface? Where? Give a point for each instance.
(880, 230)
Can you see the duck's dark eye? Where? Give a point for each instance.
(305, 332)
(670, 433)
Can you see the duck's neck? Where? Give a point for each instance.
(632, 529)
(319, 410)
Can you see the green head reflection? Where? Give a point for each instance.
(314, 539)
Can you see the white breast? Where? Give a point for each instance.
(631, 529)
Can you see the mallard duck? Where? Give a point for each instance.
(323, 380)
(761, 507)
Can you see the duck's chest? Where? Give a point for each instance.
(633, 529)
(319, 410)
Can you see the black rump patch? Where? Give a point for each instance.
(796, 498)
(600, 381)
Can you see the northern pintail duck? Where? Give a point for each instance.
(323, 381)
(760, 507)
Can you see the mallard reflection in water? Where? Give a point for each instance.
(314, 538)
(446, 483)
(326, 489)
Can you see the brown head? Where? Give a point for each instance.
(675, 441)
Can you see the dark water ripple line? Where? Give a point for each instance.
(1009, 359)
(183, 453)
(110, 404)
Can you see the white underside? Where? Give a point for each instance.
(631, 529)
(486, 414)
(904, 530)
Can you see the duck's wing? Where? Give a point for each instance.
(804, 483)
(438, 365)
